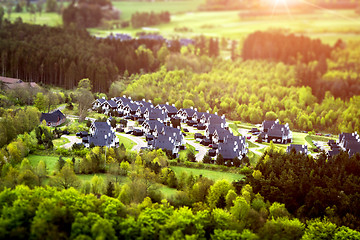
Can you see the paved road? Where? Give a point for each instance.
(139, 142)
(202, 150)
(72, 139)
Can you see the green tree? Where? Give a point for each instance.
(84, 98)
(66, 178)
(97, 185)
(217, 194)
(41, 101)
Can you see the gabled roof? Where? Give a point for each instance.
(101, 100)
(227, 151)
(266, 124)
(205, 115)
(112, 103)
(156, 114)
(213, 127)
(145, 104)
(102, 135)
(169, 108)
(222, 133)
(343, 137)
(164, 142)
(278, 130)
(215, 119)
(132, 106)
(188, 111)
(153, 123)
(174, 133)
(141, 109)
(298, 148)
(352, 144)
(55, 116)
(334, 152)
(354, 150)
(122, 100)
(103, 126)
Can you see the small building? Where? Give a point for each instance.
(278, 133)
(302, 149)
(53, 119)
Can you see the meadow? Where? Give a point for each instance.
(327, 25)
(214, 175)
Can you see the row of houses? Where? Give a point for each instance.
(347, 142)
(161, 132)
(276, 132)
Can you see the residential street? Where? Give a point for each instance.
(202, 150)
(139, 142)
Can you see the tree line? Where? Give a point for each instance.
(250, 91)
(324, 187)
(63, 56)
(143, 19)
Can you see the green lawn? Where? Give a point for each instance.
(129, 144)
(234, 129)
(214, 175)
(50, 161)
(252, 145)
(167, 191)
(50, 19)
(105, 176)
(60, 141)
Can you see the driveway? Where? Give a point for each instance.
(139, 142)
(202, 150)
(72, 139)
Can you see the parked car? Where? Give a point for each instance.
(129, 132)
(185, 130)
(248, 137)
(318, 134)
(316, 150)
(120, 130)
(66, 132)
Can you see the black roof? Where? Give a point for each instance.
(222, 133)
(55, 116)
(213, 127)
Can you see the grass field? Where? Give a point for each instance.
(129, 144)
(127, 8)
(167, 191)
(326, 25)
(214, 175)
(50, 161)
(60, 141)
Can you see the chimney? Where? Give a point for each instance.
(149, 101)
(173, 105)
(103, 97)
(167, 103)
(191, 107)
(124, 96)
(195, 109)
(215, 113)
(223, 116)
(143, 99)
(207, 111)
